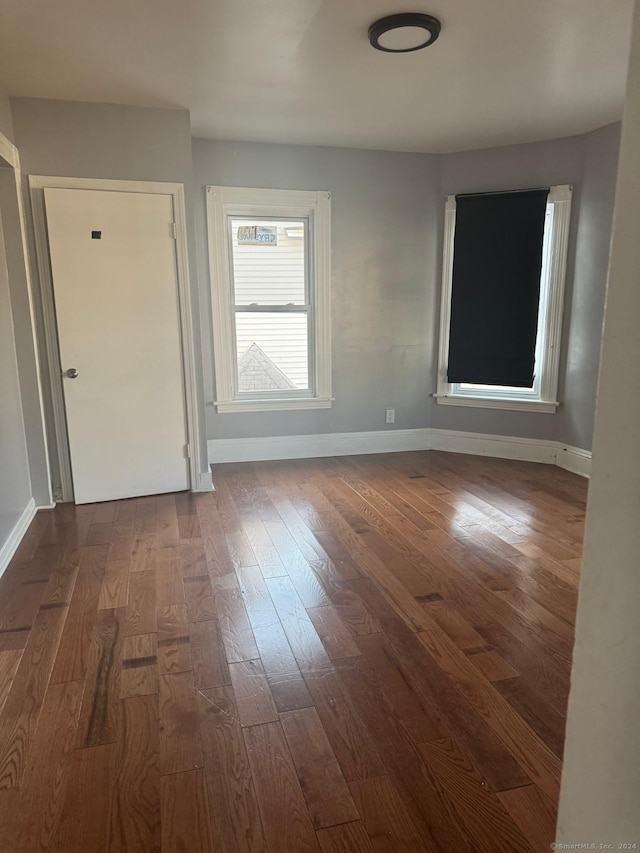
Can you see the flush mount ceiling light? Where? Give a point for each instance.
(404, 33)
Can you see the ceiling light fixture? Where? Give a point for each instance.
(404, 33)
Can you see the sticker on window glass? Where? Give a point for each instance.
(257, 235)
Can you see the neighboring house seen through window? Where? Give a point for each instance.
(270, 276)
(502, 298)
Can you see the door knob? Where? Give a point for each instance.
(72, 373)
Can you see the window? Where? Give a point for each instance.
(269, 260)
(539, 393)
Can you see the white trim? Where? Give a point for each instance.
(225, 201)
(205, 482)
(16, 535)
(398, 441)
(574, 459)
(488, 403)
(287, 405)
(497, 446)
(37, 184)
(542, 398)
(311, 446)
(9, 152)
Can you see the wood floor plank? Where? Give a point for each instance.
(141, 611)
(350, 740)
(257, 600)
(432, 813)
(479, 809)
(9, 661)
(305, 582)
(323, 785)
(285, 817)
(23, 705)
(287, 686)
(533, 813)
(347, 838)
(73, 655)
(167, 521)
(210, 665)
(536, 759)
(421, 719)
(439, 692)
(84, 820)
(305, 643)
(48, 766)
(139, 676)
(135, 806)
(532, 706)
(115, 585)
(335, 636)
(180, 744)
(237, 635)
(174, 650)
(385, 816)
(253, 697)
(235, 816)
(492, 666)
(185, 813)
(99, 715)
(169, 586)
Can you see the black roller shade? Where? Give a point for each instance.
(497, 260)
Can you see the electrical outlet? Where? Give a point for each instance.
(391, 416)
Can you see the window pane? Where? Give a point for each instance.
(268, 261)
(272, 351)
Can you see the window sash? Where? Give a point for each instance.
(275, 308)
(542, 397)
(507, 392)
(279, 204)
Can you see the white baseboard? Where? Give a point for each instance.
(498, 446)
(574, 459)
(311, 446)
(15, 536)
(395, 441)
(205, 482)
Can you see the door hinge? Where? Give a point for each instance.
(187, 451)
(174, 230)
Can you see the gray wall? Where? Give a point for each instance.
(585, 301)
(387, 234)
(601, 772)
(15, 479)
(6, 122)
(384, 240)
(387, 212)
(73, 139)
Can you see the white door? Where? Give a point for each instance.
(116, 296)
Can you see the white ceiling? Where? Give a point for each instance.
(302, 71)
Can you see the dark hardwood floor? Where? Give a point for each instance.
(358, 654)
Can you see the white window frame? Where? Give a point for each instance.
(315, 207)
(543, 396)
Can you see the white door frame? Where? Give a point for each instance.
(11, 156)
(200, 481)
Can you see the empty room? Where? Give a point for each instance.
(319, 463)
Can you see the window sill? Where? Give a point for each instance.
(543, 406)
(292, 404)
